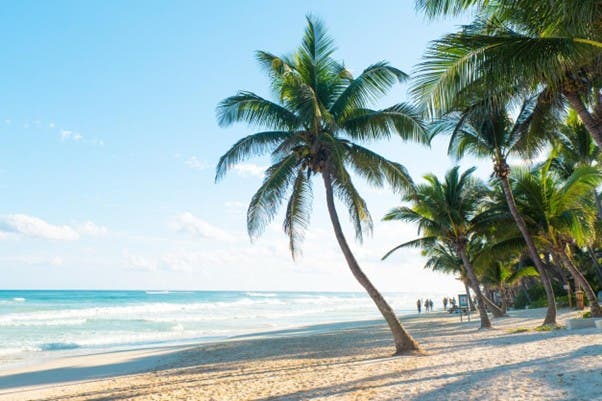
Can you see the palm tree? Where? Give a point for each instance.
(443, 259)
(312, 130)
(505, 273)
(485, 129)
(445, 213)
(519, 45)
(561, 215)
(574, 147)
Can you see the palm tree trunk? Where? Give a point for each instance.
(550, 318)
(523, 286)
(403, 340)
(594, 306)
(495, 310)
(589, 121)
(468, 297)
(597, 266)
(485, 323)
(504, 295)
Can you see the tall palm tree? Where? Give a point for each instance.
(485, 129)
(321, 112)
(515, 45)
(574, 147)
(561, 215)
(445, 213)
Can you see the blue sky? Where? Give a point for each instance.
(108, 143)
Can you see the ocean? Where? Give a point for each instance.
(36, 324)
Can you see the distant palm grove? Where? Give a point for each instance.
(522, 81)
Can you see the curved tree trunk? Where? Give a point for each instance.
(403, 340)
(485, 322)
(591, 122)
(594, 306)
(597, 266)
(550, 318)
(495, 310)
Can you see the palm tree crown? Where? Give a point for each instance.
(321, 110)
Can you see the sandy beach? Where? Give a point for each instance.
(340, 362)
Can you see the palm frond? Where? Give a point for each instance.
(379, 171)
(249, 146)
(374, 82)
(256, 111)
(402, 119)
(266, 201)
(424, 242)
(298, 212)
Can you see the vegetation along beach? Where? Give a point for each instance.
(309, 201)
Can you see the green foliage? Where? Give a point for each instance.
(586, 315)
(518, 330)
(549, 327)
(513, 47)
(443, 210)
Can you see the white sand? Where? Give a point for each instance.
(349, 363)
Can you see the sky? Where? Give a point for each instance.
(109, 141)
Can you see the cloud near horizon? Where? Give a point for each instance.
(189, 223)
(33, 227)
(30, 226)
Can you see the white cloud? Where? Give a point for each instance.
(31, 226)
(188, 223)
(249, 170)
(92, 229)
(196, 164)
(70, 135)
(137, 262)
(50, 125)
(184, 261)
(35, 260)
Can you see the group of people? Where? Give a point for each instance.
(428, 305)
(449, 300)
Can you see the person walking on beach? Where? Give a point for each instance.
(431, 305)
(445, 303)
(418, 305)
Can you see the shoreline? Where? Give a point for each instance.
(351, 360)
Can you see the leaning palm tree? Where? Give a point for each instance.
(484, 128)
(321, 112)
(515, 45)
(561, 214)
(446, 214)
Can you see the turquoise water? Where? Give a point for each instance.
(39, 322)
